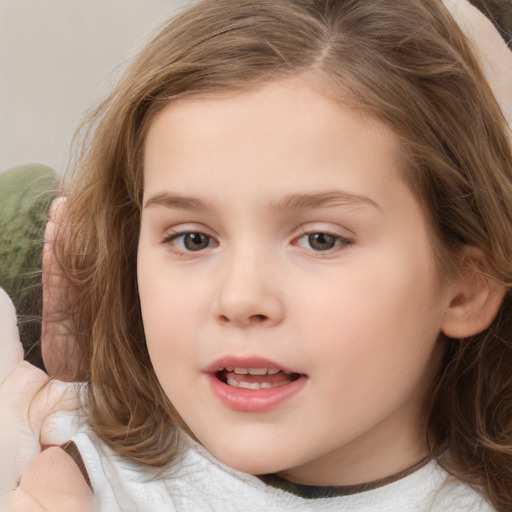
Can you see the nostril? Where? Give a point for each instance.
(251, 319)
(258, 318)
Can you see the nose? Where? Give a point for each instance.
(248, 294)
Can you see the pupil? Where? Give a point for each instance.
(196, 241)
(321, 241)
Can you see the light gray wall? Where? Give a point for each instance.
(57, 59)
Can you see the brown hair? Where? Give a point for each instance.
(404, 62)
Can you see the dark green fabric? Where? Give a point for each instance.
(314, 492)
(26, 193)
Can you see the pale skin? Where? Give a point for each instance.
(261, 291)
(52, 483)
(36, 494)
(358, 318)
(58, 348)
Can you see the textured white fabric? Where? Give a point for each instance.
(196, 481)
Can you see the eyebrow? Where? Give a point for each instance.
(294, 202)
(289, 203)
(177, 202)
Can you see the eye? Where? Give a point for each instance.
(190, 242)
(322, 241)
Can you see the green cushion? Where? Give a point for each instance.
(26, 193)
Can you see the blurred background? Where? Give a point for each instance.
(58, 58)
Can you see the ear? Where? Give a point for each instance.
(476, 297)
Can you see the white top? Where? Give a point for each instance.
(196, 481)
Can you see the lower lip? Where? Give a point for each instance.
(254, 400)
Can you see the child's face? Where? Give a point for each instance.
(305, 253)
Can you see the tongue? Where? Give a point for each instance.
(276, 379)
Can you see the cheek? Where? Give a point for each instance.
(169, 322)
(168, 340)
(169, 296)
(380, 313)
(169, 314)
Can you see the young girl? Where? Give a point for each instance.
(289, 243)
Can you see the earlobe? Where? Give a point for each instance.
(476, 297)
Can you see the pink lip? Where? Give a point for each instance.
(251, 400)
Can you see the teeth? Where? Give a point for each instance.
(250, 385)
(254, 385)
(253, 371)
(257, 371)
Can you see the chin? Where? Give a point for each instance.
(250, 462)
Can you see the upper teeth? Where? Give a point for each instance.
(252, 371)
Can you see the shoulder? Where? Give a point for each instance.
(53, 482)
(452, 495)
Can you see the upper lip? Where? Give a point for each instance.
(246, 362)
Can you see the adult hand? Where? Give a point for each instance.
(33, 411)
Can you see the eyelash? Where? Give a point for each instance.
(171, 241)
(339, 242)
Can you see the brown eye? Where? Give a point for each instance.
(196, 241)
(321, 241)
(191, 242)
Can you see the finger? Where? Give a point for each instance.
(32, 410)
(18, 442)
(10, 347)
(57, 341)
(53, 482)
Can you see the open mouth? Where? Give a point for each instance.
(253, 384)
(255, 378)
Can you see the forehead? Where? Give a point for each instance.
(287, 129)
